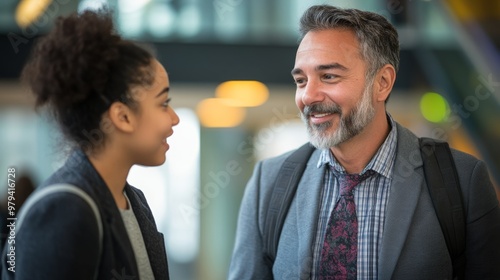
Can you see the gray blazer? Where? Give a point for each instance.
(413, 246)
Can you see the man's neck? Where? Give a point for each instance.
(357, 152)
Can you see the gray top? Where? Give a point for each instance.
(135, 236)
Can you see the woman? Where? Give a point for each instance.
(111, 101)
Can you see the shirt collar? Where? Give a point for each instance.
(381, 163)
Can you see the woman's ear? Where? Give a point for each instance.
(122, 117)
(384, 81)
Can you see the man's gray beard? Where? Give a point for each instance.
(349, 125)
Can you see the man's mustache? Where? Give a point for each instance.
(322, 109)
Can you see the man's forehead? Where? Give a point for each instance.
(333, 45)
(327, 40)
(345, 55)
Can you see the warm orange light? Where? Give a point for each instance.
(29, 10)
(215, 112)
(243, 93)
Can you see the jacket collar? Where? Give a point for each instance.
(83, 174)
(406, 186)
(401, 206)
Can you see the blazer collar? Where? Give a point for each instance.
(406, 186)
(87, 177)
(155, 244)
(90, 180)
(308, 198)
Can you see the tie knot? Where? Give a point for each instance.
(349, 181)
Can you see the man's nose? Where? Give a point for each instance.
(312, 93)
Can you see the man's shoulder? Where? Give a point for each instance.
(268, 169)
(277, 161)
(465, 163)
(463, 157)
(407, 139)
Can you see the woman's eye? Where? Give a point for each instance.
(166, 103)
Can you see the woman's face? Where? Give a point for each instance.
(154, 120)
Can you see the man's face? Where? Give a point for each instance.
(333, 95)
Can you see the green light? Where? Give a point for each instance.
(434, 107)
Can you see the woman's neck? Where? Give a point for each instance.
(113, 168)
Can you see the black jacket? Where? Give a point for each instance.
(59, 238)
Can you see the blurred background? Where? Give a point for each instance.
(448, 88)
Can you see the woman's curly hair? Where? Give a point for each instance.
(81, 67)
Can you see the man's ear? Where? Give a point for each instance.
(384, 81)
(122, 117)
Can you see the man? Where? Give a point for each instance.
(345, 69)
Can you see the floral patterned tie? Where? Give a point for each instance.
(339, 255)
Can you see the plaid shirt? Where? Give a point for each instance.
(371, 198)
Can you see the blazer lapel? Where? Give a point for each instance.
(122, 248)
(153, 240)
(308, 199)
(406, 186)
(120, 257)
(121, 244)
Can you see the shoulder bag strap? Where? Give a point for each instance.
(283, 192)
(444, 188)
(57, 188)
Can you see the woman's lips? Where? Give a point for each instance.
(164, 140)
(164, 143)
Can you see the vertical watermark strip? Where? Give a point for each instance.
(11, 219)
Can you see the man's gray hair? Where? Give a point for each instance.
(378, 39)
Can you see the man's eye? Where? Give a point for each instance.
(299, 81)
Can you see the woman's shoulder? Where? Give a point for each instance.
(61, 225)
(58, 201)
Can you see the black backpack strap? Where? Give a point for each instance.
(282, 195)
(444, 188)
